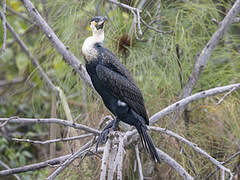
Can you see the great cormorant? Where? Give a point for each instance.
(116, 86)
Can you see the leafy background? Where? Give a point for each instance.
(153, 63)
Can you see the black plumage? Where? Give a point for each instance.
(118, 89)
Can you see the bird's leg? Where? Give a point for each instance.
(115, 123)
(103, 136)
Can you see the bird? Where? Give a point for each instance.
(116, 86)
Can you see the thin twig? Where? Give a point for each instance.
(225, 162)
(139, 163)
(4, 25)
(31, 57)
(154, 29)
(136, 16)
(53, 140)
(50, 120)
(34, 167)
(77, 154)
(19, 15)
(225, 95)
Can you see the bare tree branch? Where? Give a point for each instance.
(225, 162)
(192, 145)
(68, 57)
(236, 20)
(105, 159)
(189, 99)
(208, 49)
(19, 15)
(4, 25)
(8, 83)
(53, 140)
(225, 95)
(136, 14)
(51, 120)
(139, 163)
(77, 154)
(31, 57)
(154, 29)
(34, 167)
(171, 162)
(6, 167)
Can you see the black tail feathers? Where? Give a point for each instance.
(147, 142)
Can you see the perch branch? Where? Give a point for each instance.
(51, 120)
(68, 57)
(105, 159)
(189, 99)
(53, 140)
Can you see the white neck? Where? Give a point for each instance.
(88, 45)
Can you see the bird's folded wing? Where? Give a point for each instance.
(122, 89)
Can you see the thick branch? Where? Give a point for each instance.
(62, 49)
(189, 99)
(139, 163)
(51, 120)
(208, 49)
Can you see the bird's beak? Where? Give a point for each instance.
(100, 24)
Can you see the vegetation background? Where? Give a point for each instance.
(154, 63)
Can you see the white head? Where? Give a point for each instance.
(97, 26)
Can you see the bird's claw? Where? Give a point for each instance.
(102, 138)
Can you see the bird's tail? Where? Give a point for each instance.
(147, 142)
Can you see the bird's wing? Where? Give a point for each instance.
(123, 89)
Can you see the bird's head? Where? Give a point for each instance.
(97, 24)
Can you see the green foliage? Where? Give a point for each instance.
(152, 61)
